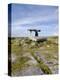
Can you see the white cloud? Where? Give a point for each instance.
(31, 20)
(55, 34)
(18, 30)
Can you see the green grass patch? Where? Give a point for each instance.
(20, 64)
(43, 66)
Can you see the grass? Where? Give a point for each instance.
(20, 64)
(43, 66)
(22, 46)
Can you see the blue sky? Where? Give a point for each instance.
(41, 17)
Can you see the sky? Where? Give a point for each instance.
(27, 16)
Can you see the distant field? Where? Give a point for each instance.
(34, 58)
